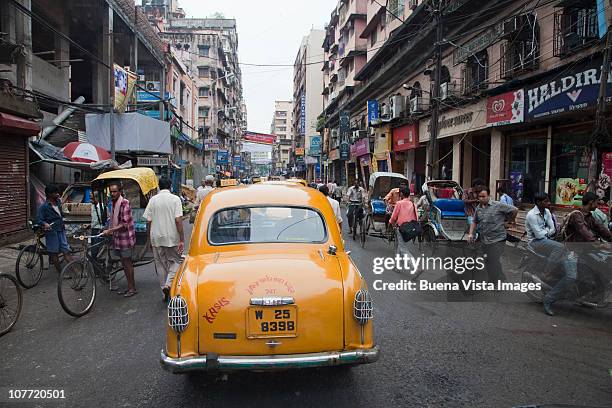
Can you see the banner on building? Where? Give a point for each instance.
(299, 151)
(569, 191)
(406, 137)
(573, 89)
(506, 108)
(362, 147)
(222, 157)
(237, 161)
(259, 137)
(373, 115)
(125, 82)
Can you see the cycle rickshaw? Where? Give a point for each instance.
(77, 282)
(446, 219)
(376, 218)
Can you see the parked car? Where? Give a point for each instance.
(267, 284)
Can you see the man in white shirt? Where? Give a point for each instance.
(356, 197)
(334, 204)
(540, 230)
(164, 215)
(203, 192)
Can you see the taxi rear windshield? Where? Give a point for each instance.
(266, 224)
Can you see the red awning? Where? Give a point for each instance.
(405, 138)
(16, 125)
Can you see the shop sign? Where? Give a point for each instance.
(299, 151)
(362, 146)
(222, 157)
(373, 115)
(345, 125)
(506, 108)
(303, 115)
(345, 151)
(237, 161)
(152, 161)
(569, 191)
(315, 146)
(558, 93)
(477, 44)
(382, 144)
(334, 154)
(259, 137)
(405, 138)
(365, 160)
(457, 121)
(606, 160)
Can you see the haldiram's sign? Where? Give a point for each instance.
(566, 91)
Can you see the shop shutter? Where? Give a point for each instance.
(13, 183)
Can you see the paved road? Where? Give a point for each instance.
(434, 354)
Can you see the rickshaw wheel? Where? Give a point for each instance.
(364, 229)
(428, 234)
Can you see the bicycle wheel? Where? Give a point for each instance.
(76, 288)
(10, 302)
(29, 266)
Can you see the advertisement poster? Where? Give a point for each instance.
(569, 191)
(125, 82)
(222, 157)
(516, 179)
(259, 137)
(506, 108)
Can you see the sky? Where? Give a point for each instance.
(269, 32)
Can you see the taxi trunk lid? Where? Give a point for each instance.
(270, 303)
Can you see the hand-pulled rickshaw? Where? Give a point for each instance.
(446, 219)
(77, 281)
(377, 212)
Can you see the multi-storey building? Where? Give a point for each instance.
(281, 127)
(209, 48)
(517, 96)
(307, 104)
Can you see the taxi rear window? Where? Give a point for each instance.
(266, 224)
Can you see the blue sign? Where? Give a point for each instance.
(222, 157)
(303, 115)
(373, 115)
(566, 92)
(150, 96)
(601, 18)
(237, 161)
(315, 146)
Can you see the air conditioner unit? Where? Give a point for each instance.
(385, 111)
(153, 86)
(358, 134)
(397, 106)
(447, 90)
(413, 4)
(416, 105)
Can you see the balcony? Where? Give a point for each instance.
(518, 58)
(574, 29)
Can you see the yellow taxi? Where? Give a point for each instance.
(298, 181)
(267, 285)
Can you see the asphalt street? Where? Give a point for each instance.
(494, 351)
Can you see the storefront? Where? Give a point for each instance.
(405, 141)
(14, 188)
(381, 160)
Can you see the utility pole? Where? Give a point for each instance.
(601, 130)
(111, 80)
(432, 153)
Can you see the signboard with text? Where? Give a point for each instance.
(405, 137)
(222, 157)
(315, 146)
(373, 115)
(259, 137)
(506, 108)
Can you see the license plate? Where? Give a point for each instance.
(270, 321)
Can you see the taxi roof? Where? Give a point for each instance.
(279, 193)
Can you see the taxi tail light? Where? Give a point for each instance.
(362, 307)
(178, 316)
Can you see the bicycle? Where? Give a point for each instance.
(357, 219)
(10, 302)
(76, 286)
(29, 265)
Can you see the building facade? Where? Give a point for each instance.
(282, 128)
(307, 105)
(517, 97)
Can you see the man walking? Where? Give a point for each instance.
(334, 204)
(164, 215)
(540, 230)
(203, 191)
(124, 235)
(491, 218)
(51, 217)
